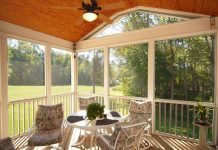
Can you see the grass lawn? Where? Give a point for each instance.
(25, 92)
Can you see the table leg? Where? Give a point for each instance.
(92, 139)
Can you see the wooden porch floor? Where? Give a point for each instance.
(158, 142)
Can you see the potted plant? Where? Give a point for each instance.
(95, 110)
(202, 114)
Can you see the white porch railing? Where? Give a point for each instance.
(66, 100)
(175, 118)
(121, 103)
(172, 117)
(21, 114)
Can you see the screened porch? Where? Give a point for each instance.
(168, 57)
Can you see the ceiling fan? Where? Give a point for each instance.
(91, 10)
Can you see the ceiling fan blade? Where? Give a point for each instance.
(65, 8)
(120, 4)
(79, 21)
(104, 18)
(87, 2)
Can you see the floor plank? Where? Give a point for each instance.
(158, 142)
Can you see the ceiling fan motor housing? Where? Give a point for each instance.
(91, 7)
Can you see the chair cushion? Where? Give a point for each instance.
(140, 107)
(116, 131)
(85, 101)
(49, 117)
(102, 144)
(45, 137)
(6, 144)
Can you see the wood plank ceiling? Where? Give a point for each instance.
(38, 14)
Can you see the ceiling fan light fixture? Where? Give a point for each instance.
(89, 16)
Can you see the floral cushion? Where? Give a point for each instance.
(6, 144)
(85, 101)
(140, 107)
(140, 110)
(45, 137)
(49, 117)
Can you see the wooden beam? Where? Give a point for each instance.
(4, 85)
(48, 75)
(106, 77)
(216, 92)
(175, 30)
(74, 80)
(151, 79)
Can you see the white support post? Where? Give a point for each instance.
(48, 77)
(4, 84)
(151, 79)
(106, 77)
(74, 81)
(216, 92)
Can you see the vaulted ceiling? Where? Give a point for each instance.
(40, 16)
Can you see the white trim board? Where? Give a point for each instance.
(180, 14)
(169, 30)
(13, 30)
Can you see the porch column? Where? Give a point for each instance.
(74, 80)
(106, 77)
(216, 91)
(48, 77)
(151, 79)
(4, 85)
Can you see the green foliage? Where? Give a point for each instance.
(26, 64)
(184, 68)
(91, 69)
(202, 114)
(95, 110)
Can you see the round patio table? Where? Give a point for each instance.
(79, 120)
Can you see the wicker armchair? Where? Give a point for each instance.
(6, 144)
(142, 111)
(85, 101)
(126, 136)
(48, 128)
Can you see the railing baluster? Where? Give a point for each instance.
(18, 118)
(24, 117)
(70, 103)
(188, 121)
(66, 97)
(165, 119)
(123, 106)
(194, 112)
(159, 117)
(112, 103)
(176, 113)
(119, 105)
(28, 115)
(13, 125)
(170, 125)
(182, 120)
(33, 112)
